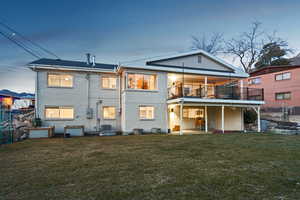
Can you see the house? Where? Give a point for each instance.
(282, 90)
(186, 92)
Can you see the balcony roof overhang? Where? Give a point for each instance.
(216, 102)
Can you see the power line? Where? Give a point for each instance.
(20, 45)
(28, 40)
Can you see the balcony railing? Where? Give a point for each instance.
(216, 92)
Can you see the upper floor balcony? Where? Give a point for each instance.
(191, 86)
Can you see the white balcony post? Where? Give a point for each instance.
(206, 122)
(181, 113)
(223, 130)
(258, 119)
(205, 86)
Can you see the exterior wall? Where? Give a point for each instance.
(192, 61)
(132, 99)
(77, 97)
(271, 86)
(233, 120)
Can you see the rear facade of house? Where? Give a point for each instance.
(281, 86)
(187, 92)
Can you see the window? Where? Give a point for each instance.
(109, 82)
(283, 96)
(60, 80)
(146, 112)
(59, 112)
(283, 76)
(141, 81)
(254, 81)
(109, 112)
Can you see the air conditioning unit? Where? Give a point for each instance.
(89, 113)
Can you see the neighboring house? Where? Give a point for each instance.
(187, 92)
(281, 89)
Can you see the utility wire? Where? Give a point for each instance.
(28, 40)
(20, 45)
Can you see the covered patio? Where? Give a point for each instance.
(202, 116)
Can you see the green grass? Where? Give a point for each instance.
(230, 166)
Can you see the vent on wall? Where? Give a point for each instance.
(199, 59)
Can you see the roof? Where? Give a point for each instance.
(295, 60)
(148, 64)
(70, 63)
(272, 69)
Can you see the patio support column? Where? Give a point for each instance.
(223, 130)
(206, 123)
(181, 114)
(205, 86)
(258, 119)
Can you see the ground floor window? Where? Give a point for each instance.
(109, 112)
(282, 95)
(59, 112)
(146, 112)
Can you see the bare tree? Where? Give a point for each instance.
(212, 44)
(248, 47)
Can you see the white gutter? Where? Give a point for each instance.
(84, 69)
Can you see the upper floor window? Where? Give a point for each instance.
(60, 80)
(283, 95)
(254, 81)
(109, 112)
(59, 112)
(146, 112)
(283, 76)
(109, 82)
(141, 81)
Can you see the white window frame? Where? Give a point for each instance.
(281, 75)
(283, 93)
(60, 74)
(252, 81)
(103, 107)
(146, 119)
(59, 107)
(141, 73)
(108, 76)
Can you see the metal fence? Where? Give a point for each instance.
(216, 92)
(6, 127)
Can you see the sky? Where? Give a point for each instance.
(118, 30)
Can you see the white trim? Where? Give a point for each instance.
(212, 101)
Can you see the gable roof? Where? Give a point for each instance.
(70, 63)
(150, 64)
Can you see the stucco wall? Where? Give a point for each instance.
(77, 97)
(132, 99)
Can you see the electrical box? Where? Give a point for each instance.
(89, 113)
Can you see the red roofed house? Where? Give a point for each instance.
(281, 90)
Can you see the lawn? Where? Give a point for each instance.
(230, 166)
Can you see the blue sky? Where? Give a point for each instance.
(119, 30)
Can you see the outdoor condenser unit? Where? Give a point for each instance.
(89, 113)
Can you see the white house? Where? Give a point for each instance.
(187, 92)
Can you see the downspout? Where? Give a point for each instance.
(36, 115)
(120, 93)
